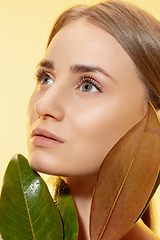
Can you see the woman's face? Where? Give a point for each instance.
(87, 96)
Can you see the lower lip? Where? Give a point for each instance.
(41, 141)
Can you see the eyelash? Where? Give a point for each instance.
(85, 79)
(91, 80)
(40, 74)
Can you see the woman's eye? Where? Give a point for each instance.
(46, 80)
(43, 77)
(88, 84)
(88, 87)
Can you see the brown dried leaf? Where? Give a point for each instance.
(126, 179)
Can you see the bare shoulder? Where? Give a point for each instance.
(140, 232)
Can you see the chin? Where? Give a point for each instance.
(38, 162)
(44, 161)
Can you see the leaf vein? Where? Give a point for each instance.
(39, 216)
(16, 221)
(26, 202)
(121, 187)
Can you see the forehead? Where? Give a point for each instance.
(83, 42)
(81, 33)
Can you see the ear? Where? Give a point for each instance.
(158, 112)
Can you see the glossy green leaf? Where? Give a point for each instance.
(64, 200)
(126, 180)
(27, 210)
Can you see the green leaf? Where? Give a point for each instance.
(27, 210)
(64, 200)
(126, 180)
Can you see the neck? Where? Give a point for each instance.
(81, 189)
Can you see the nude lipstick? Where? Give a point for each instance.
(45, 138)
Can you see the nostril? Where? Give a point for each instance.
(48, 116)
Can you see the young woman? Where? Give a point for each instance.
(100, 69)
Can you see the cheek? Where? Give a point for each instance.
(93, 119)
(94, 131)
(103, 125)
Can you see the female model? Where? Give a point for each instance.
(100, 69)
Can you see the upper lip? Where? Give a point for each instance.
(46, 133)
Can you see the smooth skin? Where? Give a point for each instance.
(88, 95)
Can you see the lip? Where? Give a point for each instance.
(45, 138)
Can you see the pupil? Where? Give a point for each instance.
(87, 87)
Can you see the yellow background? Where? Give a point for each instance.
(24, 29)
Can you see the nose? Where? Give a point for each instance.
(51, 104)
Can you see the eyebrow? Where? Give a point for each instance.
(46, 63)
(79, 68)
(76, 68)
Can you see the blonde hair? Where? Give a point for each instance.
(136, 30)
